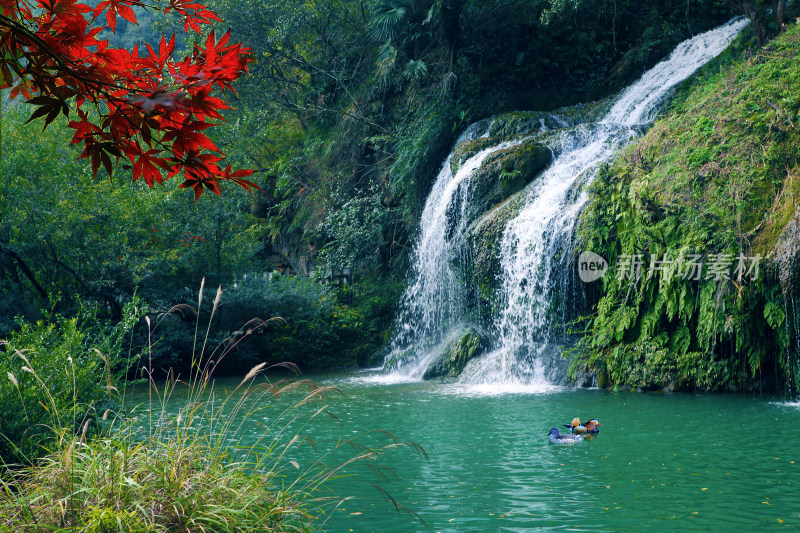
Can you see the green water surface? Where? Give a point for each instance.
(662, 462)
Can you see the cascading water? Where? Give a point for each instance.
(529, 257)
(535, 244)
(435, 302)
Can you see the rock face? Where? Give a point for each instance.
(484, 238)
(786, 256)
(505, 173)
(455, 355)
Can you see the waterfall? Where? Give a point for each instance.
(536, 245)
(435, 302)
(530, 261)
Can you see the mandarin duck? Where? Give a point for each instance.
(557, 438)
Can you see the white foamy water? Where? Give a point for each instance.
(436, 301)
(534, 245)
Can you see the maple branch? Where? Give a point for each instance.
(23, 31)
(149, 109)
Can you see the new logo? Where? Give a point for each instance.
(591, 266)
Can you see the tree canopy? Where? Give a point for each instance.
(147, 108)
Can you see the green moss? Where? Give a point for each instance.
(784, 207)
(648, 366)
(521, 123)
(528, 122)
(505, 173)
(468, 149)
(455, 356)
(716, 175)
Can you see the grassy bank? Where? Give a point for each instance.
(113, 465)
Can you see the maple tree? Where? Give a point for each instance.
(146, 109)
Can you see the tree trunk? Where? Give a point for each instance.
(23, 266)
(780, 10)
(748, 9)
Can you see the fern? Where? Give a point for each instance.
(387, 20)
(774, 315)
(681, 340)
(754, 357)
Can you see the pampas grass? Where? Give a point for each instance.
(196, 470)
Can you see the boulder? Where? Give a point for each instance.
(455, 355)
(505, 173)
(467, 149)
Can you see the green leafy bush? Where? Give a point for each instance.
(58, 373)
(355, 235)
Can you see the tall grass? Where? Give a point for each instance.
(56, 372)
(197, 468)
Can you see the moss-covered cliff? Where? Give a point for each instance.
(690, 219)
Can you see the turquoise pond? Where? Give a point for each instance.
(662, 462)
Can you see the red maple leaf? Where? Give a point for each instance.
(148, 111)
(149, 166)
(114, 8)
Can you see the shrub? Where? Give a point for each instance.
(195, 470)
(312, 328)
(74, 362)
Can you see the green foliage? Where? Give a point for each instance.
(316, 330)
(62, 232)
(192, 468)
(375, 301)
(387, 59)
(388, 15)
(415, 70)
(713, 177)
(651, 366)
(283, 319)
(551, 53)
(355, 235)
(118, 484)
(59, 373)
(419, 147)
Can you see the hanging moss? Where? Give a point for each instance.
(715, 177)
